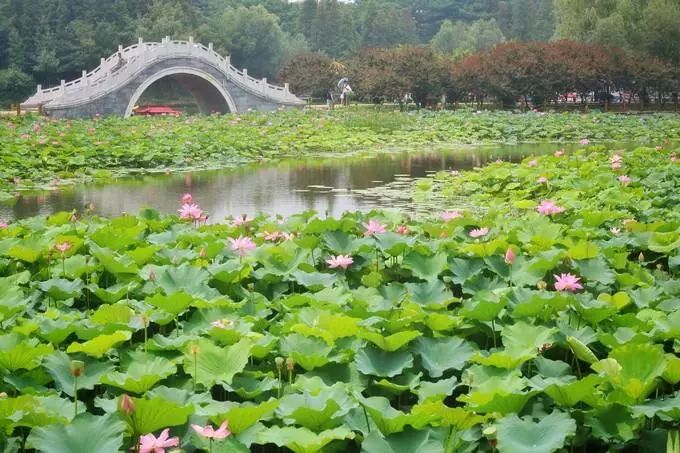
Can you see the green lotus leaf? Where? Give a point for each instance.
(539, 304)
(526, 339)
(302, 440)
(174, 304)
(12, 299)
(326, 325)
(280, 260)
(392, 342)
(87, 432)
(664, 242)
(571, 393)
(428, 391)
(242, 416)
(408, 441)
(155, 414)
(250, 388)
(672, 372)
(501, 359)
(442, 415)
(667, 328)
(58, 365)
(112, 314)
(640, 365)
(14, 410)
(101, 344)
(613, 423)
(142, 255)
(112, 294)
(117, 265)
(596, 270)
(393, 244)
(212, 364)
(118, 237)
(666, 409)
(581, 351)
(231, 271)
(499, 401)
(619, 300)
(56, 331)
(377, 362)
(524, 435)
(583, 250)
(186, 279)
(484, 307)
(390, 420)
(400, 384)
(607, 367)
(430, 293)
(19, 354)
(309, 353)
(465, 269)
(341, 243)
(441, 355)
(314, 279)
(316, 411)
(426, 267)
(62, 289)
(141, 375)
(27, 251)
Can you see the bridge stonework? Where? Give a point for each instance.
(115, 87)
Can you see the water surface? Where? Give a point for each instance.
(333, 184)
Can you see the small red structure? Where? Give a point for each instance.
(156, 110)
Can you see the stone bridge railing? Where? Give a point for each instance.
(111, 74)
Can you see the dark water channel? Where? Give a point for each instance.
(286, 187)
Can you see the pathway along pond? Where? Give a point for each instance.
(333, 184)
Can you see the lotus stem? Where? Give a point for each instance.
(368, 425)
(493, 332)
(75, 396)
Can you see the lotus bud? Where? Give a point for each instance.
(3, 395)
(77, 368)
(152, 276)
(279, 362)
(541, 285)
(641, 257)
(194, 349)
(126, 405)
(202, 253)
(489, 432)
(290, 364)
(510, 256)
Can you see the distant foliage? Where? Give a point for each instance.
(311, 73)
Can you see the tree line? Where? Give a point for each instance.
(539, 74)
(43, 41)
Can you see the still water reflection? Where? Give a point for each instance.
(285, 187)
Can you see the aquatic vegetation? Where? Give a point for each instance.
(498, 328)
(45, 154)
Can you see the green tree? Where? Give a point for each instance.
(459, 39)
(661, 29)
(15, 85)
(306, 17)
(333, 31)
(386, 26)
(251, 36)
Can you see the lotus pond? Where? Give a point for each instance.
(545, 319)
(37, 153)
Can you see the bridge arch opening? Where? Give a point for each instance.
(209, 95)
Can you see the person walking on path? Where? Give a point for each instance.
(344, 97)
(330, 102)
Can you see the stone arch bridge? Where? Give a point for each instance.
(115, 86)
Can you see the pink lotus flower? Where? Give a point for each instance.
(3, 225)
(616, 165)
(190, 211)
(242, 245)
(567, 282)
(151, 444)
(403, 229)
(343, 261)
(373, 227)
(559, 153)
(532, 163)
(126, 404)
(542, 180)
(447, 216)
(624, 180)
(287, 236)
(209, 432)
(63, 247)
(616, 158)
(510, 256)
(674, 157)
(615, 231)
(187, 198)
(547, 207)
(238, 221)
(273, 236)
(585, 141)
(479, 232)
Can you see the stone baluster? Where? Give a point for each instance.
(286, 87)
(62, 86)
(84, 78)
(264, 83)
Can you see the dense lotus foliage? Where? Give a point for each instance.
(39, 152)
(510, 327)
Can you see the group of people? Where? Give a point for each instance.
(345, 92)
